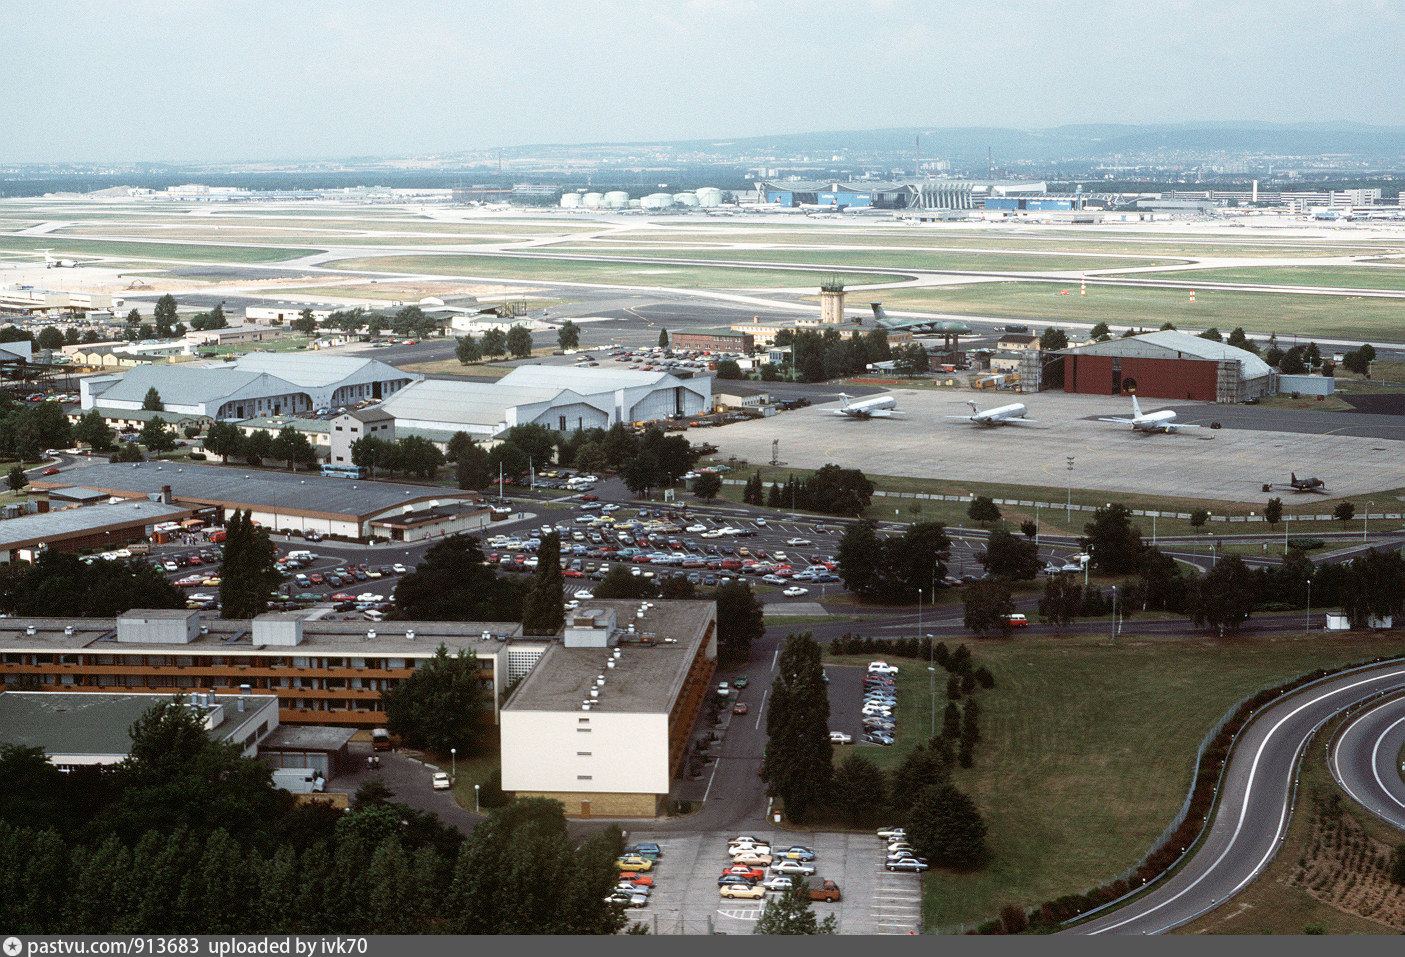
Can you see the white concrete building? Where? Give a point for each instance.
(256, 384)
(557, 397)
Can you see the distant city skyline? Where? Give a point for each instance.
(198, 81)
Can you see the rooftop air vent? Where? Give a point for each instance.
(30, 630)
(595, 692)
(68, 629)
(371, 633)
(610, 663)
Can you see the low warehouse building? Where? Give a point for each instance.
(1167, 365)
(602, 723)
(279, 500)
(72, 529)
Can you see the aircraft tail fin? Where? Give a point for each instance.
(845, 399)
(1136, 408)
(973, 407)
(1292, 478)
(878, 314)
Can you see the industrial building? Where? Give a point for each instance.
(71, 529)
(602, 723)
(255, 384)
(898, 195)
(321, 672)
(279, 500)
(556, 397)
(1167, 365)
(78, 729)
(713, 340)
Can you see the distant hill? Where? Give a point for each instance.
(1087, 141)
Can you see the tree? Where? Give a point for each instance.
(471, 470)
(1273, 511)
(134, 317)
(494, 342)
(794, 914)
(50, 337)
(1239, 340)
(797, 763)
(663, 338)
(1344, 512)
(224, 439)
(1053, 339)
(454, 583)
(983, 510)
(728, 369)
(417, 456)
(1373, 587)
(569, 335)
(1359, 361)
(740, 620)
(371, 452)
(619, 582)
(946, 828)
(440, 705)
(15, 478)
(155, 436)
(128, 452)
(305, 324)
(293, 447)
(58, 584)
(1198, 517)
(1028, 529)
(467, 350)
(707, 485)
(910, 360)
(152, 402)
(1010, 557)
(1226, 595)
(247, 575)
(519, 342)
(640, 473)
(1100, 332)
(1113, 542)
(93, 430)
(544, 610)
(859, 790)
(1213, 334)
(893, 569)
(508, 460)
(1292, 363)
(987, 605)
(1059, 604)
(164, 316)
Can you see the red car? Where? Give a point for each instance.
(588, 497)
(50, 471)
(739, 708)
(745, 870)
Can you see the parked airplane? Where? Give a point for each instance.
(1012, 414)
(1306, 484)
(878, 407)
(1162, 421)
(51, 263)
(949, 327)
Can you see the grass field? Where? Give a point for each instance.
(1087, 748)
(1261, 313)
(141, 250)
(1147, 244)
(285, 344)
(974, 259)
(1353, 277)
(623, 274)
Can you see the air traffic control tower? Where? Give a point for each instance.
(831, 302)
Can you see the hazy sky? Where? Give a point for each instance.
(200, 80)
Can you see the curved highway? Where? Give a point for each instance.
(1256, 802)
(1364, 759)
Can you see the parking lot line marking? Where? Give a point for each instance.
(775, 658)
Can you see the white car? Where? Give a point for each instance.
(585, 594)
(441, 781)
(398, 568)
(794, 591)
(798, 541)
(695, 529)
(839, 737)
(761, 522)
(881, 668)
(609, 507)
(737, 847)
(715, 533)
(793, 867)
(779, 883)
(572, 605)
(892, 832)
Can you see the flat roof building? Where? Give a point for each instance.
(1167, 365)
(75, 528)
(82, 728)
(300, 501)
(602, 723)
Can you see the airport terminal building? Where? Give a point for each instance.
(1167, 365)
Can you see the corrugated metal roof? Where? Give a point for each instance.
(51, 526)
(581, 381)
(1251, 366)
(475, 403)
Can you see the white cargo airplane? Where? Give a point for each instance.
(1162, 421)
(878, 407)
(1012, 414)
(51, 263)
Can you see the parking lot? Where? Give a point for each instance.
(686, 900)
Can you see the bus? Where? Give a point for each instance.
(344, 471)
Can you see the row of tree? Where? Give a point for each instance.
(409, 455)
(28, 429)
(816, 356)
(831, 490)
(517, 342)
(893, 569)
(289, 446)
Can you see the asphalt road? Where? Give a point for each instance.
(1365, 755)
(1257, 794)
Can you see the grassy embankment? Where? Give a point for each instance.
(174, 252)
(1086, 749)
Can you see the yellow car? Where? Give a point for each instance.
(753, 892)
(211, 581)
(633, 862)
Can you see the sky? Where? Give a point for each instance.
(230, 80)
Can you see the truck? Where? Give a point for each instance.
(827, 891)
(299, 780)
(380, 739)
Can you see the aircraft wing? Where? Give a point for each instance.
(963, 418)
(1118, 421)
(1184, 425)
(886, 413)
(1019, 420)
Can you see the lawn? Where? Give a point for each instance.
(1087, 748)
(1258, 312)
(969, 259)
(165, 251)
(623, 274)
(1354, 277)
(285, 344)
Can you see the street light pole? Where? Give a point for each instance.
(1307, 623)
(453, 762)
(1114, 611)
(932, 676)
(919, 611)
(1366, 520)
(1068, 506)
(476, 808)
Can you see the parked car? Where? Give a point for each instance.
(797, 852)
(891, 832)
(441, 781)
(744, 871)
(827, 891)
(633, 862)
(739, 708)
(628, 899)
(752, 857)
(793, 867)
(914, 864)
(743, 891)
(839, 737)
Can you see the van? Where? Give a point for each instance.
(139, 548)
(301, 555)
(372, 614)
(380, 739)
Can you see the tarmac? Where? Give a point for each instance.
(1232, 463)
